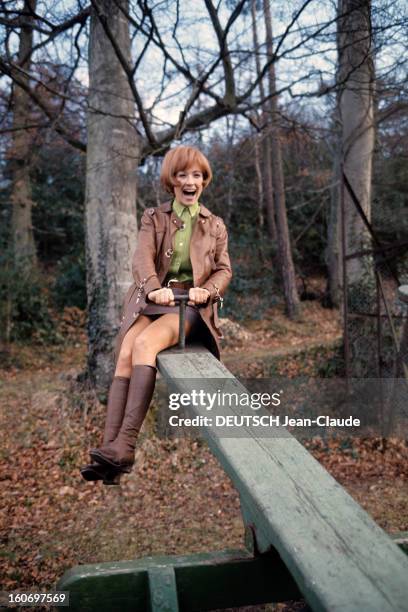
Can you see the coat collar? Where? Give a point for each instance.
(180, 210)
(167, 207)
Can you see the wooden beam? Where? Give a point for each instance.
(339, 557)
(197, 582)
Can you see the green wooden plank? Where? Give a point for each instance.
(339, 557)
(163, 589)
(401, 539)
(241, 582)
(106, 587)
(205, 581)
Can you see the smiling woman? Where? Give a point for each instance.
(175, 166)
(189, 186)
(182, 247)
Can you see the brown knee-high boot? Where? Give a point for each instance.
(115, 411)
(116, 407)
(121, 452)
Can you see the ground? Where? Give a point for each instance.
(177, 499)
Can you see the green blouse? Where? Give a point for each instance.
(180, 264)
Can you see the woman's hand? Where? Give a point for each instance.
(163, 297)
(198, 295)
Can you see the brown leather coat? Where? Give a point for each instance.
(209, 259)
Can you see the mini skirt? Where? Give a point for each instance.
(156, 310)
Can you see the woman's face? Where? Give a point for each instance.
(189, 186)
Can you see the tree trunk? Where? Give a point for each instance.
(333, 253)
(355, 77)
(284, 247)
(267, 189)
(22, 237)
(112, 160)
(230, 131)
(259, 183)
(269, 198)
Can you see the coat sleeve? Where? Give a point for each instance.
(143, 263)
(219, 280)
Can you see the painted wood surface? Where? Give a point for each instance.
(338, 556)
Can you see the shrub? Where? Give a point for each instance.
(24, 308)
(69, 288)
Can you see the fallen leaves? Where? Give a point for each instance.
(177, 499)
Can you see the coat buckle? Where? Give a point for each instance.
(169, 253)
(140, 289)
(218, 296)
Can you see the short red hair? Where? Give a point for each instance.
(179, 159)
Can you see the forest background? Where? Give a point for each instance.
(277, 98)
(280, 98)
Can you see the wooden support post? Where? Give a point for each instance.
(163, 589)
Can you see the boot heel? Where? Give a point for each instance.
(93, 472)
(112, 479)
(97, 456)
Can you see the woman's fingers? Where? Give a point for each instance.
(198, 295)
(166, 297)
(163, 297)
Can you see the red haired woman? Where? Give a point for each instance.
(182, 247)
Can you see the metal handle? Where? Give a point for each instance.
(182, 299)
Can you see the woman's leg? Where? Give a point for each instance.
(117, 399)
(118, 391)
(124, 362)
(160, 334)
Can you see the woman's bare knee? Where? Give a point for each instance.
(140, 344)
(148, 344)
(124, 362)
(125, 355)
(143, 350)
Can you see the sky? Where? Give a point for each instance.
(305, 70)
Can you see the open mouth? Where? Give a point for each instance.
(189, 192)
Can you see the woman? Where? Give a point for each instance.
(182, 247)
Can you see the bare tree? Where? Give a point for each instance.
(265, 187)
(205, 81)
(287, 268)
(355, 78)
(21, 152)
(112, 159)
(49, 98)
